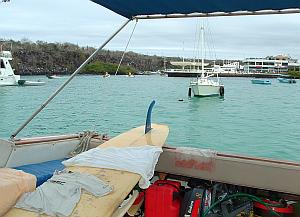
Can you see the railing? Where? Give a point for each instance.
(183, 70)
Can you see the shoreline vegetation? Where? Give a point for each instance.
(294, 74)
(46, 58)
(100, 67)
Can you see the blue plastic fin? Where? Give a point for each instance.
(148, 119)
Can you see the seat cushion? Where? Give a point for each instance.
(13, 183)
(42, 171)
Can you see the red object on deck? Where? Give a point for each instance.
(281, 210)
(196, 208)
(139, 198)
(163, 199)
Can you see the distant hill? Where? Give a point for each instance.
(40, 58)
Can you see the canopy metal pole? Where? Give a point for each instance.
(126, 48)
(64, 84)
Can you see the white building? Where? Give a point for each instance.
(277, 64)
(264, 65)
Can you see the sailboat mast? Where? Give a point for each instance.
(202, 51)
(183, 55)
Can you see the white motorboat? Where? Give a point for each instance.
(205, 86)
(7, 76)
(53, 76)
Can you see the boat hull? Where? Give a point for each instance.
(53, 76)
(235, 169)
(205, 90)
(19, 152)
(31, 83)
(265, 82)
(9, 80)
(286, 80)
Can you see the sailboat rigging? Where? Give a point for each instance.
(204, 85)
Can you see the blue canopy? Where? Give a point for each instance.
(132, 8)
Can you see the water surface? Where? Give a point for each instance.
(255, 120)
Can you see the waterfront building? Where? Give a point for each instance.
(271, 64)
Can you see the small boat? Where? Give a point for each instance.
(53, 76)
(286, 79)
(106, 75)
(31, 83)
(130, 75)
(7, 75)
(260, 81)
(155, 72)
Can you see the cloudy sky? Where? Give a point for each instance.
(85, 23)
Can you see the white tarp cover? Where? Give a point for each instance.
(140, 160)
(60, 194)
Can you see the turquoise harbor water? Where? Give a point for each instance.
(254, 120)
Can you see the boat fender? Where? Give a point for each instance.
(190, 92)
(221, 91)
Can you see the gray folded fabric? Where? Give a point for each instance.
(60, 194)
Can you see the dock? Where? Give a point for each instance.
(241, 75)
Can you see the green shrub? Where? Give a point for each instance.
(99, 67)
(295, 74)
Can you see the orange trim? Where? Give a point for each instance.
(259, 159)
(247, 158)
(34, 140)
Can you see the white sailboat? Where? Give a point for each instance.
(7, 76)
(205, 86)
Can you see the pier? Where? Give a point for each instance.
(242, 75)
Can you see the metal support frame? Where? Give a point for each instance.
(217, 14)
(66, 82)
